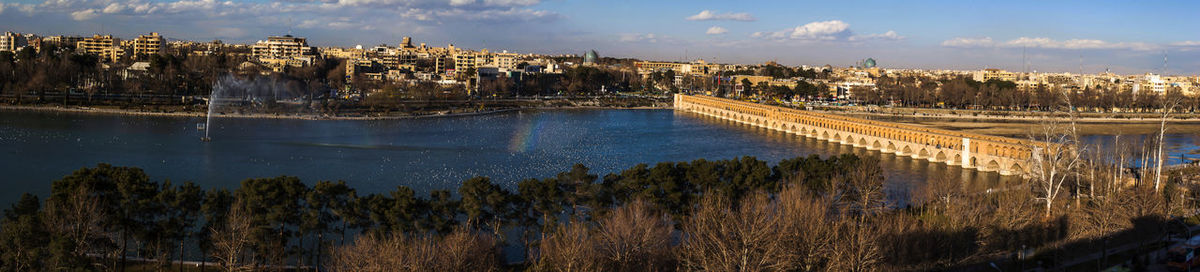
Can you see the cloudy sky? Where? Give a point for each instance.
(1124, 36)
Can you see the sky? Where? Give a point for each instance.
(1128, 37)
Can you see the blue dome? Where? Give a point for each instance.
(869, 63)
(590, 57)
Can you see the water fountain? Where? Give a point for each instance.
(212, 101)
(258, 91)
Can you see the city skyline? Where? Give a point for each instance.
(1128, 38)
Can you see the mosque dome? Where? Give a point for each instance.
(590, 57)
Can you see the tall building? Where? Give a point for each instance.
(279, 52)
(105, 46)
(464, 61)
(146, 45)
(997, 74)
(407, 43)
(97, 44)
(1150, 83)
(12, 42)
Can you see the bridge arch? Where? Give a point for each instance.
(993, 166)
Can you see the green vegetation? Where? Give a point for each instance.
(805, 213)
(963, 92)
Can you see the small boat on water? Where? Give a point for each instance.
(201, 126)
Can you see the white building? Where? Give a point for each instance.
(12, 42)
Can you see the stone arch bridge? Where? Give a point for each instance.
(1007, 156)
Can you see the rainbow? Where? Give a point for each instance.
(523, 139)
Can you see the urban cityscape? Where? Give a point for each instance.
(590, 136)
(373, 70)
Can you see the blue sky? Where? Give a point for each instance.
(1091, 36)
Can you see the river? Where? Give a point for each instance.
(426, 154)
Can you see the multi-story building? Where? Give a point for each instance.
(505, 61)
(278, 52)
(465, 60)
(12, 42)
(997, 74)
(364, 70)
(62, 40)
(1150, 83)
(146, 45)
(105, 46)
(698, 67)
(343, 53)
(97, 44)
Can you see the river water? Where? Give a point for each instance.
(425, 154)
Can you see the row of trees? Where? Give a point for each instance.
(963, 92)
(53, 72)
(742, 214)
(97, 217)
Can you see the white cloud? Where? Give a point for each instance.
(28, 9)
(814, 31)
(114, 8)
(716, 30)
(969, 42)
(1076, 44)
(634, 37)
(1186, 43)
(1048, 43)
(707, 15)
(84, 15)
(886, 36)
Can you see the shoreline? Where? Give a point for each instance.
(310, 117)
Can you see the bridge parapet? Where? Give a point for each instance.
(984, 152)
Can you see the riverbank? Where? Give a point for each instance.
(297, 116)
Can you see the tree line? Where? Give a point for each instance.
(55, 74)
(805, 213)
(963, 93)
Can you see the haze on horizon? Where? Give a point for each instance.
(1124, 37)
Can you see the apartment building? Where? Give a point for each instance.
(12, 42)
(279, 52)
(105, 46)
(146, 45)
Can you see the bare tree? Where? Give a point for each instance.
(1053, 162)
(720, 236)
(1168, 106)
(570, 248)
(807, 225)
(460, 250)
(231, 241)
(635, 238)
(79, 219)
